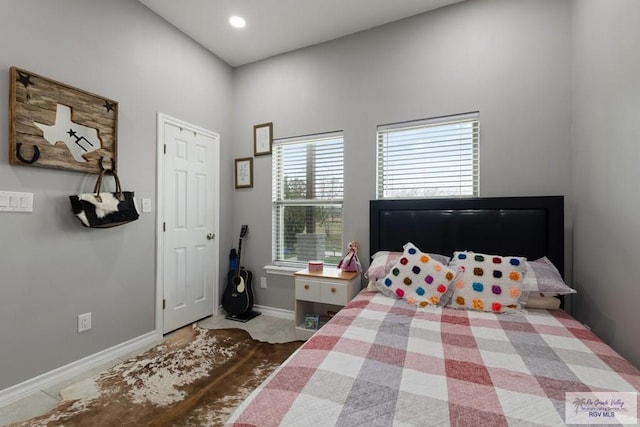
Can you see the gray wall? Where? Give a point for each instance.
(509, 60)
(52, 269)
(606, 170)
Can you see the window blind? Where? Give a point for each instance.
(428, 158)
(308, 182)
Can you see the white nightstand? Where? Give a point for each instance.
(320, 293)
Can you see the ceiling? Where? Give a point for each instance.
(278, 26)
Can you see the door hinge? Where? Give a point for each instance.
(164, 226)
(165, 148)
(164, 304)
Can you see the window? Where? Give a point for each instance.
(308, 181)
(428, 158)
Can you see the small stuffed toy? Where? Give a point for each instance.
(350, 261)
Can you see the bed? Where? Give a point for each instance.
(386, 360)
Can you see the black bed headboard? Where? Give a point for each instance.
(524, 226)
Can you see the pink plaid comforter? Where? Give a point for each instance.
(381, 362)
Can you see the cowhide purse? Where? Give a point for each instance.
(105, 210)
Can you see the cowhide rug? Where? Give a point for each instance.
(195, 377)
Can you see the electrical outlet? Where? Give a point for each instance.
(84, 322)
(263, 282)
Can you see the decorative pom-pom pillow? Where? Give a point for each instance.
(383, 261)
(487, 282)
(418, 278)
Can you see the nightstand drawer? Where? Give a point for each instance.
(308, 290)
(322, 291)
(334, 293)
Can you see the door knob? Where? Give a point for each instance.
(211, 236)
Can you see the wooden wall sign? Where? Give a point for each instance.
(54, 125)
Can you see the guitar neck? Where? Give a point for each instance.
(237, 273)
(243, 231)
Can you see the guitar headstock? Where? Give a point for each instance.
(244, 230)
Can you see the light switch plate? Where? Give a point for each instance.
(11, 201)
(146, 205)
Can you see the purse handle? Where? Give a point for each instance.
(96, 188)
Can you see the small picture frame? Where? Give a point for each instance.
(244, 172)
(262, 139)
(312, 321)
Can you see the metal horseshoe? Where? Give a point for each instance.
(34, 158)
(113, 164)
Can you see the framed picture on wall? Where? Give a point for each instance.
(54, 125)
(262, 139)
(244, 172)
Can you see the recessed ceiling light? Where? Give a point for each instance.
(237, 22)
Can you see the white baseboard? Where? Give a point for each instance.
(63, 373)
(275, 312)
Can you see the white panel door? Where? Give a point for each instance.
(190, 209)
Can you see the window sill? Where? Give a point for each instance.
(280, 270)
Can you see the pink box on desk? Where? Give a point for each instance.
(315, 266)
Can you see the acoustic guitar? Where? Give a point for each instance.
(238, 295)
